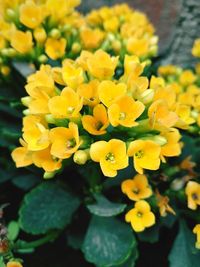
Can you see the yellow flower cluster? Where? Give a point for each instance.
(45, 30)
(81, 106)
(186, 88)
(34, 31)
(122, 29)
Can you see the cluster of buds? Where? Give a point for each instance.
(45, 31)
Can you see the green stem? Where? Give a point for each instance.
(34, 244)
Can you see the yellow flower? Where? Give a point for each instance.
(40, 35)
(184, 116)
(65, 141)
(111, 156)
(30, 14)
(91, 38)
(165, 93)
(14, 264)
(101, 65)
(146, 155)
(109, 92)
(97, 123)
(196, 48)
(160, 115)
(44, 159)
(72, 75)
(140, 216)
(67, 105)
(187, 77)
(21, 41)
(172, 147)
(89, 92)
(137, 188)
(55, 48)
(125, 111)
(163, 204)
(22, 156)
(35, 133)
(111, 24)
(192, 191)
(167, 70)
(138, 47)
(196, 231)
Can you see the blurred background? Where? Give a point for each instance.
(162, 13)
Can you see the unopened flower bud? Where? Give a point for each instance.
(40, 35)
(26, 112)
(50, 119)
(43, 58)
(177, 184)
(49, 175)
(5, 70)
(76, 48)
(26, 100)
(147, 96)
(11, 14)
(116, 45)
(55, 33)
(160, 140)
(81, 156)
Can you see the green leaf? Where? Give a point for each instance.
(103, 207)
(13, 230)
(26, 181)
(48, 206)
(150, 235)
(131, 260)
(108, 242)
(184, 246)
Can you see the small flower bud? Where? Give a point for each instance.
(81, 156)
(49, 175)
(76, 48)
(40, 35)
(116, 45)
(5, 70)
(147, 96)
(55, 33)
(177, 184)
(26, 101)
(43, 58)
(26, 112)
(50, 119)
(11, 14)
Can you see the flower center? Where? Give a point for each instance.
(195, 196)
(139, 154)
(122, 116)
(99, 124)
(71, 143)
(110, 157)
(136, 191)
(70, 110)
(139, 214)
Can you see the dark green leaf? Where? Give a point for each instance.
(103, 207)
(26, 181)
(150, 235)
(183, 252)
(48, 206)
(108, 242)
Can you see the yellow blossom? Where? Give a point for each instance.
(165, 93)
(96, 124)
(66, 105)
(21, 41)
(91, 38)
(192, 191)
(22, 156)
(65, 141)
(184, 115)
(110, 91)
(35, 134)
(72, 75)
(160, 115)
(138, 47)
(30, 14)
(167, 70)
(163, 204)
(111, 156)
(196, 231)
(187, 77)
(140, 216)
(14, 264)
(44, 159)
(89, 92)
(136, 188)
(101, 65)
(40, 35)
(55, 48)
(172, 147)
(111, 24)
(124, 111)
(196, 48)
(146, 155)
